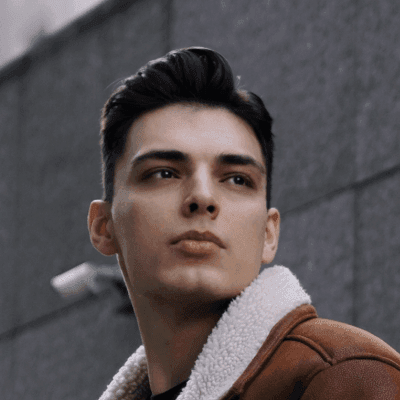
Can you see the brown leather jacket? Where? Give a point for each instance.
(307, 358)
(271, 344)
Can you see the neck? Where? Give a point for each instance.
(173, 337)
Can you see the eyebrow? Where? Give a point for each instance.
(175, 155)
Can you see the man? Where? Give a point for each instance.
(187, 168)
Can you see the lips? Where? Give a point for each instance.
(206, 236)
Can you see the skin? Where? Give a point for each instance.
(179, 299)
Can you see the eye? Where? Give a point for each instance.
(166, 171)
(244, 179)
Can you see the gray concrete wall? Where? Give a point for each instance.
(327, 71)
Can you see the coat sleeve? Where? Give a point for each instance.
(367, 379)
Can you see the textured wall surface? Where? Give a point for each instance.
(73, 355)
(9, 140)
(328, 74)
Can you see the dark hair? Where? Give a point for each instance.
(193, 74)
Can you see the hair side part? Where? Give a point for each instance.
(193, 74)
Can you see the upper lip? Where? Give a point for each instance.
(201, 236)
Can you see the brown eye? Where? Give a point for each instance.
(164, 173)
(242, 178)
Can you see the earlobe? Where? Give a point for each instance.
(100, 228)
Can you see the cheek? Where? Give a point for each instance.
(141, 221)
(251, 233)
(125, 218)
(124, 225)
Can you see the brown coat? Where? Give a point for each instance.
(307, 358)
(271, 344)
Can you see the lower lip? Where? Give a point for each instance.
(196, 248)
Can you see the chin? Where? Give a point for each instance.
(194, 285)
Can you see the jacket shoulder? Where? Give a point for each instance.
(308, 357)
(337, 341)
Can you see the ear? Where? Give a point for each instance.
(271, 236)
(101, 229)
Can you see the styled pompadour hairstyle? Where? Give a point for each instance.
(190, 75)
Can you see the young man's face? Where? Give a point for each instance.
(149, 211)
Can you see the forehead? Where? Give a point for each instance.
(201, 131)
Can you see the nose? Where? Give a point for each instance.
(200, 195)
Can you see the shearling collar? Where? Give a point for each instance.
(231, 346)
